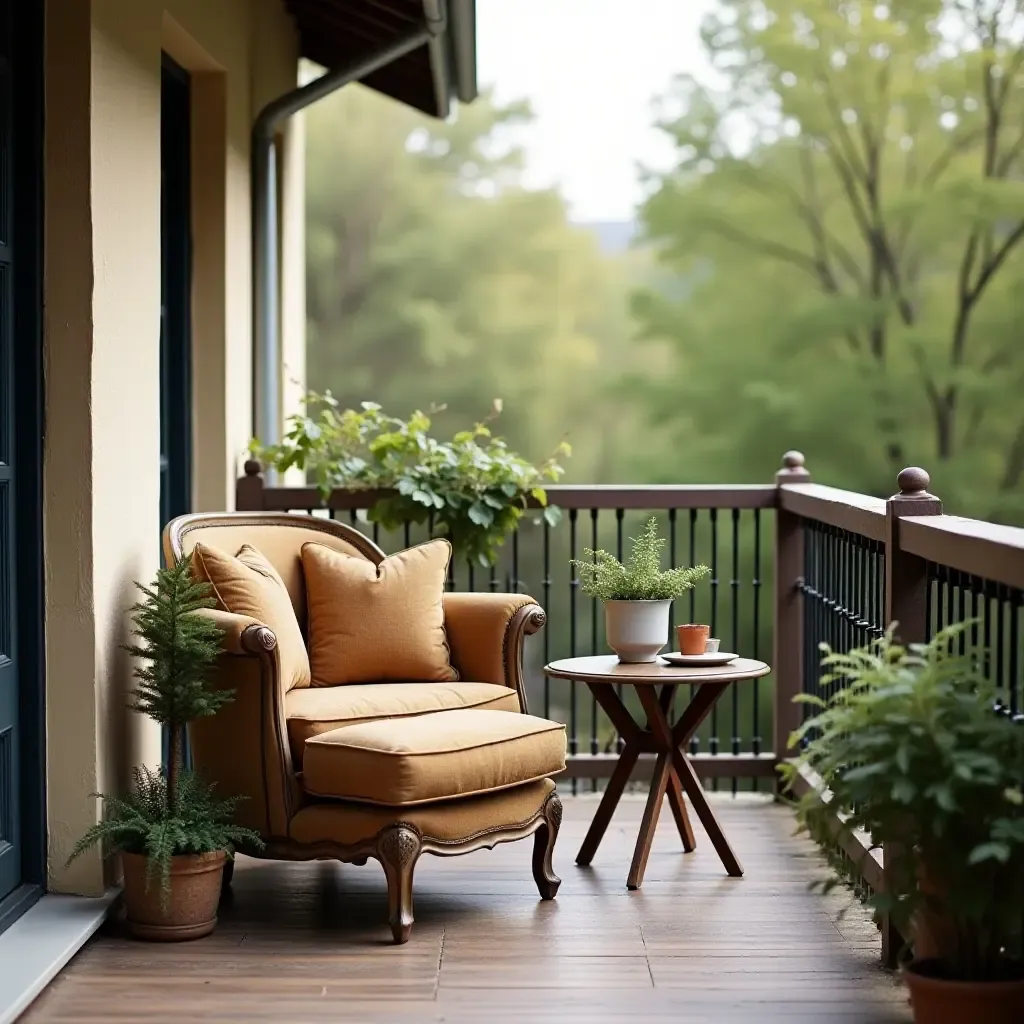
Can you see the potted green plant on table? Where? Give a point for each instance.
(916, 750)
(174, 835)
(472, 489)
(637, 594)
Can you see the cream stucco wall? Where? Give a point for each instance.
(102, 295)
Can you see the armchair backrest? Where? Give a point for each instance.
(278, 536)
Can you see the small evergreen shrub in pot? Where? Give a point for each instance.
(637, 594)
(917, 751)
(174, 835)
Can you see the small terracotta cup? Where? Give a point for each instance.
(692, 638)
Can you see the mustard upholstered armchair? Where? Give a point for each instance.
(398, 769)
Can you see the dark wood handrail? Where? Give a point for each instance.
(567, 496)
(847, 510)
(972, 546)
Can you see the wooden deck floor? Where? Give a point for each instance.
(304, 943)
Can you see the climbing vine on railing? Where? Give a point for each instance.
(472, 489)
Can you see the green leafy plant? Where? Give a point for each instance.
(913, 751)
(472, 489)
(641, 577)
(171, 812)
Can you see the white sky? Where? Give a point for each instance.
(590, 69)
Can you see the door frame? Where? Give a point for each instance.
(27, 180)
(176, 295)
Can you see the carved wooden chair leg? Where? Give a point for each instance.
(398, 849)
(543, 848)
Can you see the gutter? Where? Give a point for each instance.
(266, 277)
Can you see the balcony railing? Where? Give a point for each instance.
(794, 564)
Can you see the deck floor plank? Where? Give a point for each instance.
(309, 942)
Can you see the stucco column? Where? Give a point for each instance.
(101, 337)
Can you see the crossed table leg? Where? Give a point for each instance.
(673, 773)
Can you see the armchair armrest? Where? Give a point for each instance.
(242, 635)
(486, 633)
(244, 747)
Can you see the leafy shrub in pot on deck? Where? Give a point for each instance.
(916, 751)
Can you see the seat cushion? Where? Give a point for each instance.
(247, 584)
(321, 709)
(368, 623)
(450, 754)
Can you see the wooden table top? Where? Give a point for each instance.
(607, 668)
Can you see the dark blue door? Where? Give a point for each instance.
(10, 811)
(175, 293)
(22, 804)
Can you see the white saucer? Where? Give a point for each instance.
(695, 660)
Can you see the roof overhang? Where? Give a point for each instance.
(335, 33)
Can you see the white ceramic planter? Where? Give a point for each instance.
(637, 630)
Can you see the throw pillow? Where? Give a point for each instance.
(247, 584)
(377, 622)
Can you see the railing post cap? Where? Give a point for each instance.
(913, 483)
(252, 467)
(793, 469)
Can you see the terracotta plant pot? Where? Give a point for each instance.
(693, 638)
(936, 1000)
(192, 905)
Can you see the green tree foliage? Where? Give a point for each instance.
(176, 650)
(436, 278)
(845, 221)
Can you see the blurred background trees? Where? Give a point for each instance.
(850, 210)
(835, 262)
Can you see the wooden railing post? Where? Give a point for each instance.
(788, 653)
(249, 488)
(906, 606)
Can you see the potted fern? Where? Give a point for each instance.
(637, 594)
(916, 750)
(174, 835)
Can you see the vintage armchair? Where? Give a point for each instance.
(266, 742)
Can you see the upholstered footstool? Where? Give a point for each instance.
(397, 788)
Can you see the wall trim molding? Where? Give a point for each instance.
(38, 945)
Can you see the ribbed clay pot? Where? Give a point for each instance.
(637, 630)
(936, 1000)
(192, 905)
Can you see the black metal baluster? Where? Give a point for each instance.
(962, 609)
(950, 598)
(619, 514)
(695, 741)
(574, 584)
(1014, 681)
(1013, 607)
(988, 593)
(406, 535)
(492, 583)
(516, 584)
(755, 741)
(974, 583)
(671, 565)
(546, 589)
(713, 740)
(595, 747)
(470, 576)
(734, 586)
